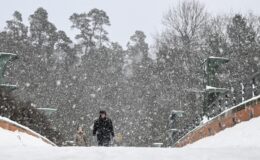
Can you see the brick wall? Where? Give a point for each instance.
(242, 112)
(13, 126)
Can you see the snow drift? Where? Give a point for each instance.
(245, 134)
(13, 134)
(16, 139)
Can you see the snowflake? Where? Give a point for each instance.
(58, 82)
(33, 105)
(93, 95)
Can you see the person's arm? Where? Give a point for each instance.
(95, 128)
(85, 139)
(112, 129)
(76, 139)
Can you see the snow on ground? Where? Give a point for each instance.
(18, 139)
(127, 153)
(241, 142)
(245, 134)
(23, 127)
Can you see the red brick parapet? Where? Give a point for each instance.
(10, 125)
(242, 112)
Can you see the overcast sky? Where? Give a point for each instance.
(126, 16)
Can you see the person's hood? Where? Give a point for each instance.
(102, 112)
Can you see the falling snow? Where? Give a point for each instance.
(138, 84)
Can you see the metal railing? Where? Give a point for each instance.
(238, 93)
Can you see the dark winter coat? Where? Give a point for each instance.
(103, 128)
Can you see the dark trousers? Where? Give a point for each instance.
(104, 143)
(103, 140)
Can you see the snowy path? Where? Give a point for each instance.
(241, 142)
(120, 153)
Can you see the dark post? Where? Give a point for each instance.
(212, 87)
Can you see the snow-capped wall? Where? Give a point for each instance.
(19, 133)
(242, 112)
(10, 139)
(242, 135)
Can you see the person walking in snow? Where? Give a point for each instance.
(80, 137)
(103, 129)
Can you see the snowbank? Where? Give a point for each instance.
(22, 133)
(220, 118)
(245, 134)
(16, 139)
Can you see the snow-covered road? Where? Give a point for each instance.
(240, 142)
(121, 153)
